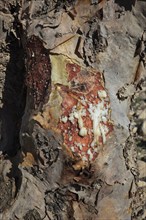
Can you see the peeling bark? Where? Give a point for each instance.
(68, 143)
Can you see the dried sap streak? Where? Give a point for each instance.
(38, 77)
(85, 120)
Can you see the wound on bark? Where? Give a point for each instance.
(38, 78)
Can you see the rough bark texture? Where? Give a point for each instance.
(72, 110)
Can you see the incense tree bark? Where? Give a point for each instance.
(71, 119)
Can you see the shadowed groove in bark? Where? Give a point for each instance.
(126, 4)
(14, 93)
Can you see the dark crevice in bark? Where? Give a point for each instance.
(126, 4)
(14, 96)
(14, 99)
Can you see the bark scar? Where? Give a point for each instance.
(38, 78)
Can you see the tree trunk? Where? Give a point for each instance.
(73, 110)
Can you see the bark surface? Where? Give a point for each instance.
(72, 110)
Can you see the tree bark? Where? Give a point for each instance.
(72, 109)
